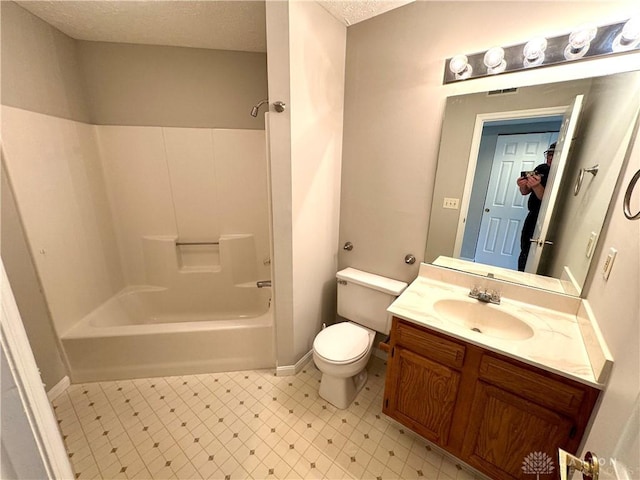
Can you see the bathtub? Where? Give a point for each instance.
(149, 331)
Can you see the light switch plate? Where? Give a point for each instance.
(452, 203)
(608, 263)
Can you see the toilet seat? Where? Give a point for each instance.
(342, 343)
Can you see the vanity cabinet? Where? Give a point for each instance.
(425, 367)
(487, 409)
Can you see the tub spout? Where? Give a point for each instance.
(263, 283)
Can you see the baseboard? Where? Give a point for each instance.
(58, 389)
(293, 369)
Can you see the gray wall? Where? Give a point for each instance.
(173, 86)
(45, 71)
(40, 67)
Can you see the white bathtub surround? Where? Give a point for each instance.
(54, 167)
(104, 207)
(557, 343)
(189, 184)
(230, 259)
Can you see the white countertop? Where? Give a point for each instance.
(556, 345)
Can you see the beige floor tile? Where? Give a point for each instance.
(240, 425)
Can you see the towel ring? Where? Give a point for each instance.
(578, 185)
(627, 198)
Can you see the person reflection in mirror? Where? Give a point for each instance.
(533, 184)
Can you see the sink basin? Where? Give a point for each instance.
(484, 318)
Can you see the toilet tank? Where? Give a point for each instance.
(364, 298)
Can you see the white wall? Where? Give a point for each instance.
(317, 48)
(306, 70)
(277, 14)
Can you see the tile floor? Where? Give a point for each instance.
(240, 425)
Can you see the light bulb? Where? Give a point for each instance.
(460, 67)
(494, 60)
(579, 43)
(533, 52)
(629, 37)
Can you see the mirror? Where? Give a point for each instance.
(472, 126)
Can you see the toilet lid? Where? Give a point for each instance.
(341, 342)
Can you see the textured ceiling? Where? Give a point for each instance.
(350, 12)
(224, 25)
(217, 24)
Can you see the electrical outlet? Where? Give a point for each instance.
(591, 244)
(452, 203)
(608, 263)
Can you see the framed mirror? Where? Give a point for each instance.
(468, 231)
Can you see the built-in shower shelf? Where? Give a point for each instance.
(200, 269)
(166, 258)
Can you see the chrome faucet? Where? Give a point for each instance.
(263, 283)
(487, 296)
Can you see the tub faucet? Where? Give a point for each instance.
(263, 283)
(486, 296)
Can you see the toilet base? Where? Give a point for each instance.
(340, 392)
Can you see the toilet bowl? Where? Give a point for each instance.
(341, 352)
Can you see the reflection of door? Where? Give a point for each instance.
(505, 208)
(569, 124)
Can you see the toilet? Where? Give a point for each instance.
(341, 352)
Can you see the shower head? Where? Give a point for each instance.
(254, 110)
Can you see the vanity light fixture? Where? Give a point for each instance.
(494, 60)
(533, 52)
(541, 51)
(579, 43)
(629, 37)
(460, 67)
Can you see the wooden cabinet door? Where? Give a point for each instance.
(422, 394)
(509, 437)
